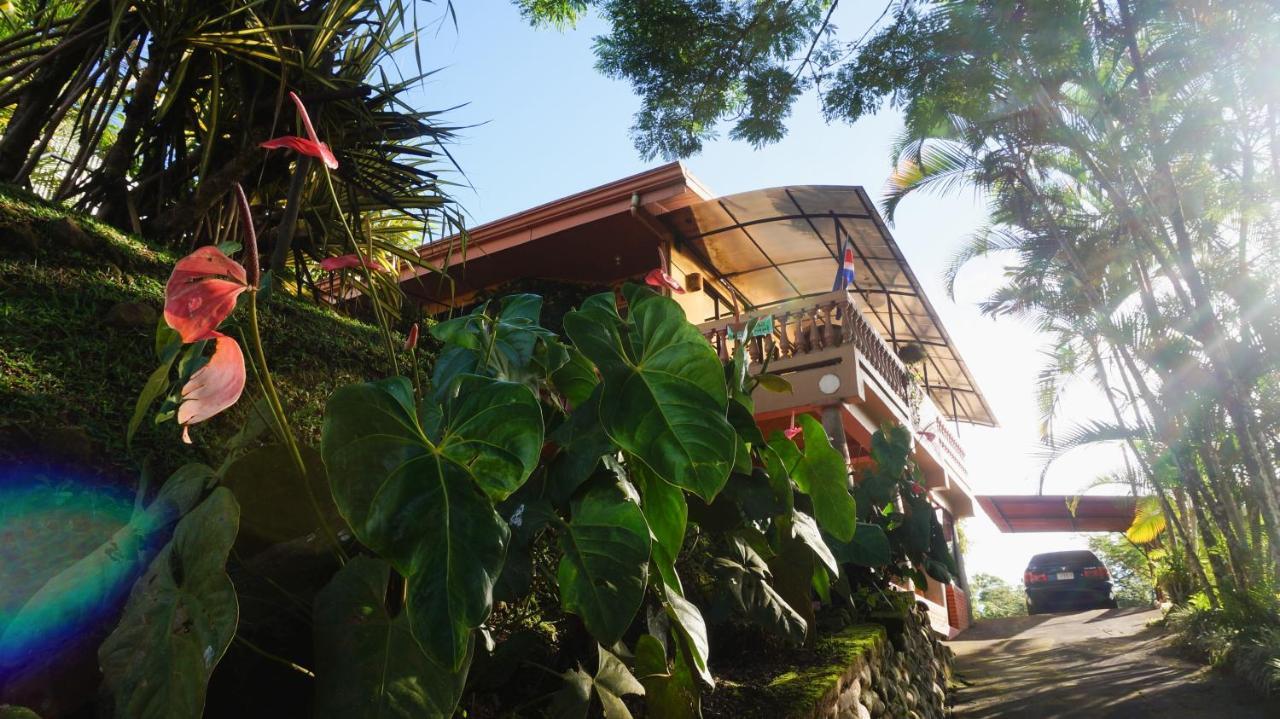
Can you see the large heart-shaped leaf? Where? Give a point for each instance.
(869, 546)
(272, 495)
(179, 620)
(691, 628)
(604, 569)
(670, 690)
(805, 530)
(503, 345)
(368, 664)
(792, 569)
(667, 513)
(663, 398)
(747, 578)
(417, 495)
(73, 601)
(820, 472)
(612, 681)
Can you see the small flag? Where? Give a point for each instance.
(846, 269)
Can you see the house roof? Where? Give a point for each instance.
(1059, 513)
(769, 246)
(778, 244)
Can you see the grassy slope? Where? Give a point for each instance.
(69, 378)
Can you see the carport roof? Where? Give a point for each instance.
(1054, 513)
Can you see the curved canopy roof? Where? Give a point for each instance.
(775, 245)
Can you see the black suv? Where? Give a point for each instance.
(1061, 580)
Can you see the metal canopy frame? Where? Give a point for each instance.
(781, 244)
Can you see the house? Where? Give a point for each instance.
(765, 259)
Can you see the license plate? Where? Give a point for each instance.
(1066, 575)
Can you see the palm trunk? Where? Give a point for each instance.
(111, 184)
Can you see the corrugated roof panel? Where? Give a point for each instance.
(782, 243)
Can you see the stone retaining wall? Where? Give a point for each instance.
(904, 677)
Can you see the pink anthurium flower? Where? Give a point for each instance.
(214, 387)
(202, 292)
(311, 146)
(333, 264)
(412, 340)
(658, 276)
(793, 431)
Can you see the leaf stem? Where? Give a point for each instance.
(274, 657)
(282, 422)
(383, 324)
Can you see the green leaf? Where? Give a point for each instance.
(368, 663)
(179, 620)
(805, 529)
(669, 691)
(9, 711)
(612, 681)
(667, 513)
(820, 472)
(583, 442)
(1148, 521)
(272, 495)
(168, 343)
(868, 548)
(605, 566)
(503, 345)
(73, 599)
(746, 577)
(914, 532)
(663, 398)
(792, 570)
(756, 495)
(890, 448)
(576, 379)
(417, 500)
(692, 629)
(774, 383)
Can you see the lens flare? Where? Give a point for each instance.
(70, 549)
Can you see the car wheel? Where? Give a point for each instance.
(1110, 604)
(1032, 608)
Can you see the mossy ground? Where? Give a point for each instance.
(780, 684)
(69, 377)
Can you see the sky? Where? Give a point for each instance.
(541, 123)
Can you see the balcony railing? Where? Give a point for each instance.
(935, 424)
(804, 327)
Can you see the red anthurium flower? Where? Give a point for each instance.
(214, 387)
(201, 292)
(333, 264)
(916, 489)
(311, 146)
(658, 276)
(793, 431)
(412, 340)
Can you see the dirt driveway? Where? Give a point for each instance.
(1103, 664)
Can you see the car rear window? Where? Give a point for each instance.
(1078, 557)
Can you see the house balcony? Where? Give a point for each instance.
(825, 349)
(831, 355)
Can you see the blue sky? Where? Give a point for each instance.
(545, 124)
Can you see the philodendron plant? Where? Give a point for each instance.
(617, 470)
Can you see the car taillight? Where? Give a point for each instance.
(1096, 572)
(1034, 577)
